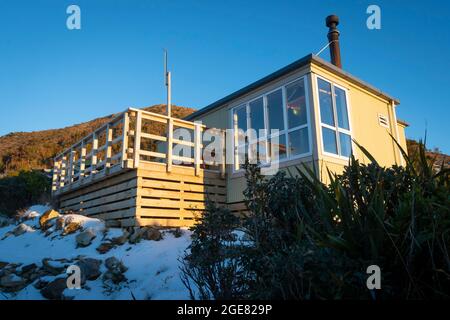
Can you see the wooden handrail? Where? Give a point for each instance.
(67, 170)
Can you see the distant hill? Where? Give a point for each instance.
(35, 150)
(433, 156)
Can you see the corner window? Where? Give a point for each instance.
(335, 125)
(284, 109)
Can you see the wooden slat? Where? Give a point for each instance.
(183, 159)
(164, 222)
(103, 200)
(131, 212)
(197, 148)
(110, 207)
(94, 152)
(126, 128)
(153, 137)
(137, 139)
(98, 185)
(169, 144)
(166, 213)
(101, 193)
(152, 154)
(165, 203)
(179, 194)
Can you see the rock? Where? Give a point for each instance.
(113, 276)
(46, 217)
(54, 290)
(28, 268)
(54, 267)
(30, 272)
(104, 247)
(151, 234)
(12, 283)
(84, 238)
(115, 270)
(71, 228)
(177, 233)
(4, 221)
(3, 264)
(40, 284)
(90, 269)
(59, 224)
(122, 239)
(112, 263)
(21, 229)
(136, 236)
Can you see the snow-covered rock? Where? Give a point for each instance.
(150, 268)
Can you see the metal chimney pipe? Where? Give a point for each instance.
(333, 39)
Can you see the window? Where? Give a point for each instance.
(284, 109)
(335, 125)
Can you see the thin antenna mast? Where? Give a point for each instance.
(167, 77)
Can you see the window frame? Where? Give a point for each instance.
(286, 131)
(336, 127)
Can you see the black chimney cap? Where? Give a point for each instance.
(332, 21)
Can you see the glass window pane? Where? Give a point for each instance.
(346, 144)
(329, 140)
(257, 115)
(299, 142)
(296, 104)
(278, 148)
(341, 108)
(275, 110)
(241, 118)
(326, 105)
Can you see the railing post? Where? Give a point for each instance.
(56, 174)
(62, 176)
(109, 135)
(94, 153)
(82, 160)
(197, 147)
(70, 176)
(125, 128)
(169, 144)
(137, 139)
(223, 161)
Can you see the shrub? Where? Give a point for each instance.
(212, 261)
(308, 240)
(19, 192)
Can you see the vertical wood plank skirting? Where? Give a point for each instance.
(169, 144)
(137, 139)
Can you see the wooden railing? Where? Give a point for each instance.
(131, 138)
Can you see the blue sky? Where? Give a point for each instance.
(52, 77)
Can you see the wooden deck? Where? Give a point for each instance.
(125, 173)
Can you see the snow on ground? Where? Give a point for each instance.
(153, 266)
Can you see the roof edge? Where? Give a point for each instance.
(310, 58)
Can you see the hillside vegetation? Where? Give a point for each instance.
(25, 151)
